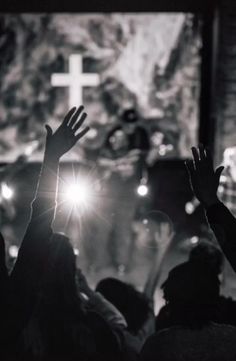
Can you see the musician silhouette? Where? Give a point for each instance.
(123, 158)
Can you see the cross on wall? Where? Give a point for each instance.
(75, 80)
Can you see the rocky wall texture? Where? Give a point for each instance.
(225, 96)
(147, 61)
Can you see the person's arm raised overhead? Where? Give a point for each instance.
(57, 144)
(44, 203)
(204, 181)
(33, 253)
(165, 238)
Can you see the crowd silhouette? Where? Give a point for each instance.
(49, 312)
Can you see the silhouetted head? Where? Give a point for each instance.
(60, 276)
(130, 302)
(192, 295)
(190, 285)
(206, 253)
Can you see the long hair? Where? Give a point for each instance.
(57, 325)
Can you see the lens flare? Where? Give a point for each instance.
(142, 190)
(7, 192)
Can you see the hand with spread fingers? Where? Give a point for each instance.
(66, 135)
(204, 179)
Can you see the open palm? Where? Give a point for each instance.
(66, 135)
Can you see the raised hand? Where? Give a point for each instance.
(204, 179)
(66, 135)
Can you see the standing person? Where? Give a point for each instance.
(124, 160)
(189, 331)
(26, 276)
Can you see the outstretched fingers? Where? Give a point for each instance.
(75, 116)
(68, 116)
(202, 154)
(74, 120)
(218, 172)
(80, 122)
(195, 154)
(82, 133)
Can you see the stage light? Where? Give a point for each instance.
(7, 192)
(189, 208)
(194, 240)
(79, 194)
(13, 251)
(76, 251)
(142, 190)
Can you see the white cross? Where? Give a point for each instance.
(75, 80)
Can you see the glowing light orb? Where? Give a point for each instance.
(189, 208)
(78, 194)
(194, 240)
(142, 190)
(76, 251)
(7, 192)
(13, 251)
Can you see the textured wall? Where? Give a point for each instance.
(147, 61)
(225, 101)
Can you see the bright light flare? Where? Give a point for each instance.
(142, 190)
(13, 251)
(76, 251)
(7, 192)
(189, 208)
(194, 240)
(79, 194)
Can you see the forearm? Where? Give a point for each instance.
(107, 310)
(44, 203)
(154, 276)
(223, 224)
(34, 248)
(135, 342)
(32, 259)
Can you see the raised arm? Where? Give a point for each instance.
(204, 181)
(32, 257)
(44, 204)
(57, 144)
(164, 240)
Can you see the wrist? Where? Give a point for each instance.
(51, 157)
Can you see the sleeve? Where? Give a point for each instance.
(134, 343)
(223, 224)
(107, 310)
